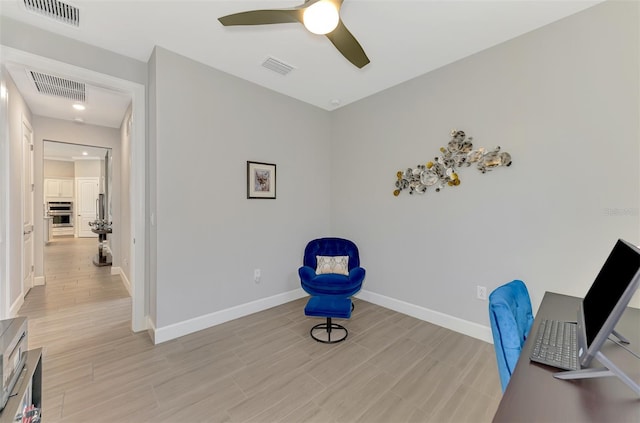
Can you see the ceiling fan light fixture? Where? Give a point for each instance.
(321, 17)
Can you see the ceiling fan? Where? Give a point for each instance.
(318, 16)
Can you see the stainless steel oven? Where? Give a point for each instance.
(61, 212)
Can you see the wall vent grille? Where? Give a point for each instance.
(58, 87)
(62, 12)
(277, 66)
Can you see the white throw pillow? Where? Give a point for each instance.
(332, 264)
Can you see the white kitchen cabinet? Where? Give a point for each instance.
(58, 188)
(51, 187)
(66, 188)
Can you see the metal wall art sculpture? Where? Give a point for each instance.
(443, 171)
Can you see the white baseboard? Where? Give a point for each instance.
(176, 330)
(465, 327)
(151, 329)
(39, 281)
(115, 270)
(15, 307)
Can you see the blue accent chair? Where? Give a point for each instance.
(330, 292)
(511, 319)
(331, 284)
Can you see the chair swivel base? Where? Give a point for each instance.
(329, 332)
(328, 307)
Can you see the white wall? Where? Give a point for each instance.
(89, 169)
(58, 169)
(563, 100)
(210, 237)
(49, 129)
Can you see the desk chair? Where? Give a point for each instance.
(511, 319)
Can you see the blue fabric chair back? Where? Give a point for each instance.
(511, 319)
(331, 247)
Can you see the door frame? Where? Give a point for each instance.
(138, 260)
(5, 167)
(26, 286)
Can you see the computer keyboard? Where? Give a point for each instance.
(556, 345)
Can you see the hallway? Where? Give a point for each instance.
(73, 280)
(79, 305)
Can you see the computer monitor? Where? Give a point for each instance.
(607, 299)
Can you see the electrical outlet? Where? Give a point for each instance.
(482, 292)
(256, 275)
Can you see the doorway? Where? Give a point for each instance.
(136, 171)
(87, 170)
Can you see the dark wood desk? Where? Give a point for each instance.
(534, 395)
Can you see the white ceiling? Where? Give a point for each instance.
(104, 107)
(403, 39)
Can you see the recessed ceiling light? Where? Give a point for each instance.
(78, 106)
(84, 153)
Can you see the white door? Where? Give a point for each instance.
(27, 208)
(86, 205)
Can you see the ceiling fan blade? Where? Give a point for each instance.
(263, 17)
(347, 44)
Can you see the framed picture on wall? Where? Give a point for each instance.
(261, 180)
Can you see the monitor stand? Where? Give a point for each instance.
(620, 337)
(609, 369)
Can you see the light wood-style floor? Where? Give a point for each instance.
(260, 368)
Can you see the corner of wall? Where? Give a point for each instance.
(453, 323)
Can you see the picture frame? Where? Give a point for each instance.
(261, 180)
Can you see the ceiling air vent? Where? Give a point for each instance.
(55, 9)
(58, 87)
(277, 66)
